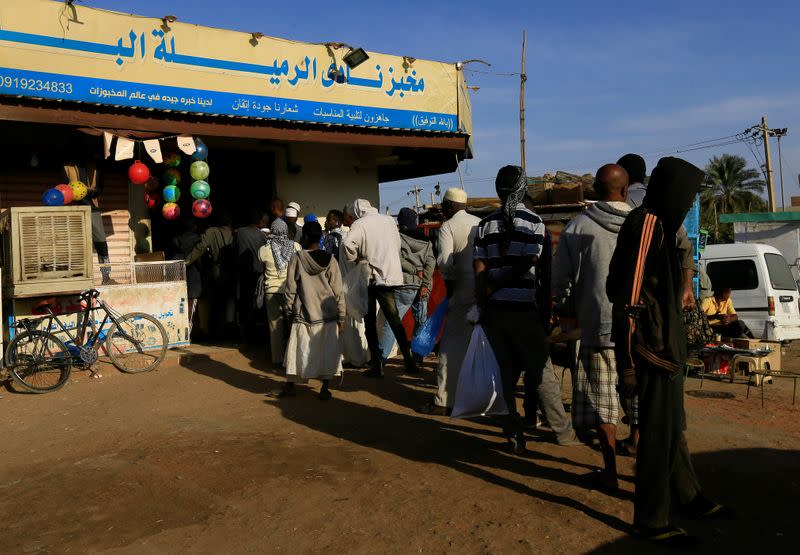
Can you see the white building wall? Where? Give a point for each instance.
(326, 176)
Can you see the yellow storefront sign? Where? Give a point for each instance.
(76, 53)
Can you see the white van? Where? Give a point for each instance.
(764, 290)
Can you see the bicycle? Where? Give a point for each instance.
(40, 362)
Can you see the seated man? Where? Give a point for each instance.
(722, 316)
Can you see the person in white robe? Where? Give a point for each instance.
(456, 237)
(355, 350)
(315, 301)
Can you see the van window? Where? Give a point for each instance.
(779, 274)
(737, 274)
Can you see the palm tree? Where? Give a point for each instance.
(733, 187)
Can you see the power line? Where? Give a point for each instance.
(715, 145)
(497, 73)
(749, 137)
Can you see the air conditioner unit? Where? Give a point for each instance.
(46, 250)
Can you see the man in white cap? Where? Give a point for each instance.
(456, 237)
(291, 216)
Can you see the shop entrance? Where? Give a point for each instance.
(242, 180)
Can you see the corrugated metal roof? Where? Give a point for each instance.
(753, 217)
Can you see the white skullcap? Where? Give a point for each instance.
(291, 212)
(456, 195)
(294, 205)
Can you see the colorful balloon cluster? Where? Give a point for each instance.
(62, 195)
(171, 180)
(200, 189)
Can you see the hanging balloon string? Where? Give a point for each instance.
(118, 133)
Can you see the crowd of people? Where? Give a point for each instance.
(336, 294)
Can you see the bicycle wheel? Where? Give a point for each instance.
(38, 361)
(137, 342)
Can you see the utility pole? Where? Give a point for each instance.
(522, 79)
(458, 168)
(416, 191)
(768, 163)
(779, 134)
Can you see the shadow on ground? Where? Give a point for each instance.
(763, 486)
(415, 438)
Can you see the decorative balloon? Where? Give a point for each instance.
(172, 159)
(138, 173)
(201, 208)
(151, 200)
(152, 184)
(171, 211)
(201, 150)
(66, 190)
(171, 193)
(53, 197)
(200, 190)
(79, 190)
(171, 177)
(199, 170)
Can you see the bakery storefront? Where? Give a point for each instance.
(214, 122)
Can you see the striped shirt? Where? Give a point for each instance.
(526, 239)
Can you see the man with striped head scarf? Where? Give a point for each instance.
(512, 186)
(507, 247)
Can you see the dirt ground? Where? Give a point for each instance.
(194, 458)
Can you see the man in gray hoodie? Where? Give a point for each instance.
(418, 263)
(580, 271)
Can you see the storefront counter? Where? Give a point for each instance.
(158, 289)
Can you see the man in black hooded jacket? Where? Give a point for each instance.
(645, 285)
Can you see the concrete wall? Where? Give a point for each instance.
(326, 176)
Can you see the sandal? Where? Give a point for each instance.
(434, 409)
(516, 443)
(702, 508)
(624, 449)
(599, 480)
(670, 536)
(282, 392)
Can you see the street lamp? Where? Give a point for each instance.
(460, 65)
(354, 57)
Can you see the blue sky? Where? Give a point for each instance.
(603, 78)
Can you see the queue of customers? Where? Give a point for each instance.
(623, 273)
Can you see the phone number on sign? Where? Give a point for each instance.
(35, 84)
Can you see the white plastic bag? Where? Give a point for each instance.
(356, 295)
(480, 387)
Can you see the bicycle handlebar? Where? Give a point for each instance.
(90, 294)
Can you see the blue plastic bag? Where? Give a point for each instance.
(425, 340)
